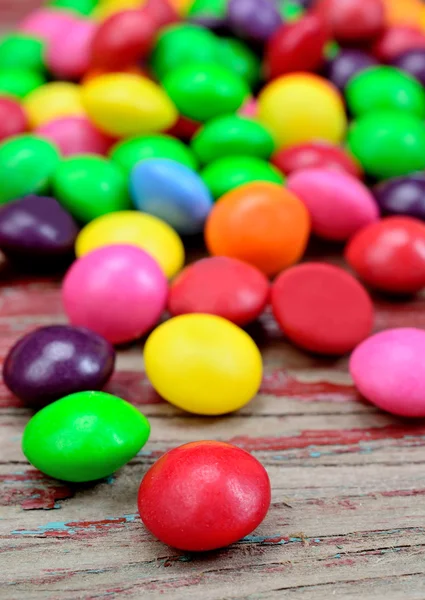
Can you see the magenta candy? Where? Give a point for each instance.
(13, 120)
(117, 291)
(249, 109)
(69, 55)
(47, 24)
(75, 135)
(387, 369)
(339, 204)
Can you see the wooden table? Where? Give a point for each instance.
(348, 512)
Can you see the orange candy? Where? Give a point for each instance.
(260, 223)
(403, 12)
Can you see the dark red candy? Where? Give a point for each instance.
(296, 46)
(204, 495)
(394, 41)
(322, 308)
(55, 361)
(412, 62)
(389, 255)
(123, 39)
(347, 63)
(12, 118)
(353, 20)
(402, 196)
(221, 286)
(184, 128)
(321, 155)
(37, 231)
(254, 20)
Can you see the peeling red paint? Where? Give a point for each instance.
(327, 438)
(44, 495)
(279, 383)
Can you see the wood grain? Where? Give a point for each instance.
(348, 510)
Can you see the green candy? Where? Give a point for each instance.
(21, 51)
(90, 186)
(128, 153)
(81, 7)
(27, 163)
(204, 91)
(232, 135)
(84, 436)
(385, 88)
(290, 11)
(19, 82)
(230, 172)
(388, 143)
(208, 8)
(181, 44)
(239, 58)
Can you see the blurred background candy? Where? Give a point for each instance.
(402, 196)
(346, 64)
(75, 135)
(37, 232)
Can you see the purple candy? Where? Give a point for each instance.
(36, 228)
(402, 196)
(255, 20)
(346, 64)
(412, 62)
(55, 361)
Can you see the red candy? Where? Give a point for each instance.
(12, 118)
(397, 40)
(322, 308)
(298, 46)
(221, 286)
(123, 39)
(204, 495)
(353, 20)
(320, 155)
(390, 255)
(161, 11)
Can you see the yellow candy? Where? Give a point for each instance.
(203, 364)
(302, 107)
(139, 229)
(108, 8)
(124, 104)
(52, 101)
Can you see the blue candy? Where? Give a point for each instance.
(172, 192)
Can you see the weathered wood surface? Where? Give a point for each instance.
(348, 510)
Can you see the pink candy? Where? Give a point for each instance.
(249, 109)
(47, 24)
(117, 291)
(388, 370)
(339, 204)
(69, 55)
(75, 135)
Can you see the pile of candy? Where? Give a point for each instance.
(126, 125)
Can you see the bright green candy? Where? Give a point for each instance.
(290, 11)
(232, 135)
(84, 436)
(230, 172)
(21, 51)
(208, 8)
(239, 58)
(19, 82)
(388, 143)
(27, 163)
(204, 91)
(90, 186)
(181, 44)
(82, 7)
(131, 151)
(385, 88)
